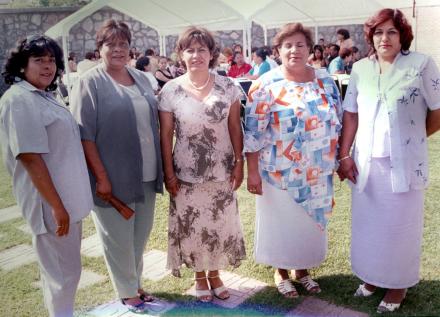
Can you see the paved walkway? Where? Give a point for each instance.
(240, 288)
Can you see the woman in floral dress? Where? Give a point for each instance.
(205, 167)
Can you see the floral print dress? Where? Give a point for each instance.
(204, 229)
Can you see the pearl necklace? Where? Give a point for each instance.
(201, 87)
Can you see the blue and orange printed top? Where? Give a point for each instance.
(295, 127)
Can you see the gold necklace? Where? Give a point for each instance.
(201, 87)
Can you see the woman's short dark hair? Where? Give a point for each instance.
(261, 52)
(35, 46)
(201, 36)
(142, 62)
(290, 29)
(345, 52)
(344, 33)
(110, 30)
(400, 23)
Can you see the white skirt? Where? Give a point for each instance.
(386, 231)
(286, 236)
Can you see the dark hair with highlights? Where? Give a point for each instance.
(400, 23)
(33, 46)
(110, 30)
(201, 36)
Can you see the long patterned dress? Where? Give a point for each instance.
(204, 230)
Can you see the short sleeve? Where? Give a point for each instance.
(83, 106)
(257, 117)
(264, 68)
(236, 93)
(165, 101)
(430, 88)
(350, 99)
(24, 127)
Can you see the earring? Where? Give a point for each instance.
(21, 70)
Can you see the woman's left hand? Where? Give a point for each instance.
(237, 175)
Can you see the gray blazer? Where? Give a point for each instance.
(106, 116)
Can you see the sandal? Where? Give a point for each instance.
(286, 288)
(140, 308)
(310, 285)
(145, 296)
(362, 291)
(385, 307)
(203, 295)
(219, 290)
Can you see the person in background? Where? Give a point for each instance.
(228, 53)
(355, 56)
(116, 111)
(337, 65)
(97, 56)
(261, 66)
(392, 106)
(204, 168)
(143, 64)
(316, 60)
(87, 63)
(163, 75)
(344, 40)
(239, 67)
(71, 62)
(273, 64)
(292, 125)
(321, 42)
(154, 60)
(237, 48)
(42, 152)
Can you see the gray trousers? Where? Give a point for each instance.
(124, 241)
(60, 266)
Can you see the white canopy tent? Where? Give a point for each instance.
(169, 17)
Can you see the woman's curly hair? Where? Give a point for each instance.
(35, 46)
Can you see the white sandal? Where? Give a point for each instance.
(362, 291)
(219, 290)
(385, 307)
(310, 285)
(285, 287)
(203, 295)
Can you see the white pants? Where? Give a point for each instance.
(60, 266)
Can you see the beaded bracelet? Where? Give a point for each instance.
(344, 158)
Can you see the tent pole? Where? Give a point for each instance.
(66, 61)
(249, 37)
(316, 34)
(265, 35)
(245, 46)
(414, 26)
(160, 45)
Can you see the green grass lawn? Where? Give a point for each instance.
(334, 275)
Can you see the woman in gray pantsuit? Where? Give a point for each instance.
(42, 151)
(116, 110)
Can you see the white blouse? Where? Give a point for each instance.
(409, 88)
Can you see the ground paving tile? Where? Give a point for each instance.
(9, 213)
(25, 228)
(315, 307)
(240, 288)
(155, 262)
(17, 256)
(116, 309)
(87, 278)
(91, 246)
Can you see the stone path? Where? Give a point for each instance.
(314, 307)
(240, 288)
(91, 246)
(9, 213)
(155, 265)
(16, 256)
(116, 309)
(25, 228)
(87, 278)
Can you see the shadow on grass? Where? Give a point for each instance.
(421, 300)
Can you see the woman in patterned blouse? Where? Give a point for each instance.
(291, 134)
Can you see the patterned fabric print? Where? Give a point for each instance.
(295, 126)
(203, 150)
(204, 230)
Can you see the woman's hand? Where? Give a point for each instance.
(254, 185)
(347, 168)
(62, 219)
(172, 185)
(237, 175)
(104, 188)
